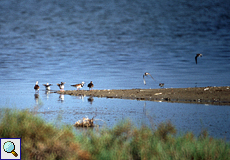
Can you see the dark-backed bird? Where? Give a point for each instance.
(146, 74)
(79, 86)
(90, 85)
(36, 87)
(198, 55)
(47, 85)
(161, 84)
(61, 86)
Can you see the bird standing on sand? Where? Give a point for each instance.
(79, 86)
(146, 74)
(161, 85)
(61, 86)
(36, 87)
(90, 85)
(47, 85)
(198, 55)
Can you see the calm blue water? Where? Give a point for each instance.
(113, 43)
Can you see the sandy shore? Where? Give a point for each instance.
(203, 95)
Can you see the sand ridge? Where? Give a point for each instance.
(204, 95)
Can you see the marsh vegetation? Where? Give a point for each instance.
(40, 140)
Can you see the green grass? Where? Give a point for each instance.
(124, 141)
(38, 139)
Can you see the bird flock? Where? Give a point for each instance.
(61, 86)
(91, 85)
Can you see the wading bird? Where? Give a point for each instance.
(90, 85)
(36, 87)
(146, 74)
(61, 86)
(198, 55)
(78, 86)
(161, 85)
(47, 85)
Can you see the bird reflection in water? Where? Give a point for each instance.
(38, 102)
(80, 97)
(144, 108)
(36, 97)
(47, 92)
(90, 100)
(61, 97)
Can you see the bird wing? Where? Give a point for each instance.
(196, 59)
(44, 84)
(151, 76)
(144, 79)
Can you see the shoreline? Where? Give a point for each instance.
(199, 95)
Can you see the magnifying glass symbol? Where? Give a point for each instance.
(9, 147)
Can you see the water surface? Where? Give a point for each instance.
(113, 43)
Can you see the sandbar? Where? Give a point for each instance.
(200, 95)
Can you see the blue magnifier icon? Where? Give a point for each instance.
(9, 147)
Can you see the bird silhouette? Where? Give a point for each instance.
(90, 85)
(36, 87)
(198, 55)
(146, 74)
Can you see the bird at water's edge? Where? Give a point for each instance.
(161, 85)
(198, 55)
(146, 74)
(90, 85)
(78, 86)
(61, 86)
(47, 85)
(36, 87)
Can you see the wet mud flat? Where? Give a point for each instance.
(201, 95)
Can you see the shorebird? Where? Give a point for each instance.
(90, 85)
(198, 55)
(61, 86)
(79, 86)
(47, 85)
(146, 74)
(161, 85)
(36, 87)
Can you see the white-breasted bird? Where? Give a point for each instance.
(146, 74)
(78, 86)
(61, 86)
(47, 85)
(161, 85)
